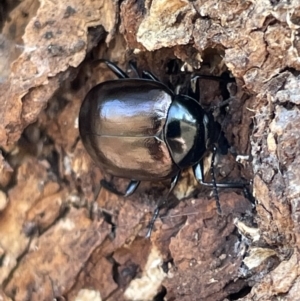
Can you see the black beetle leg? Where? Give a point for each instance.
(114, 68)
(198, 172)
(160, 204)
(213, 178)
(248, 195)
(149, 75)
(194, 89)
(151, 224)
(131, 188)
(133, 67)
(145, 74)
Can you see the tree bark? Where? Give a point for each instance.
(63, 237)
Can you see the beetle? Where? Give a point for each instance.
(137, 128)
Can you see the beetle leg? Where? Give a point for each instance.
(114, 68)
(131, 188)
(145, 74)
(213, 178)
(174, 182)
(198, 173)
(160, 204)
(151, 224)
(133, 67)
(149, 75)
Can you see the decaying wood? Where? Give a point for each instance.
(60, 239)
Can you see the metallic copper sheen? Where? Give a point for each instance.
(122, 123)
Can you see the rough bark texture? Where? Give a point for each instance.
(60, 238)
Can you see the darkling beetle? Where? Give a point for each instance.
(137, 128)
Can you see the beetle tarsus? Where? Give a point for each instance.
(213, 177)
(248, 195)
(161, 204)
(198, 173)
(151, 224)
